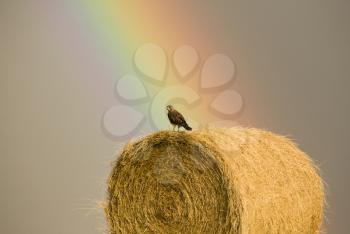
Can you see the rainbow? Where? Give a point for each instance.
(108, 33)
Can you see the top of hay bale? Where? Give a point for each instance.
(214, 181)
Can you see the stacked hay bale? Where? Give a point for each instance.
(214, 181)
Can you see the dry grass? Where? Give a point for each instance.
(214, 181)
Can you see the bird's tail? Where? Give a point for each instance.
(187, 127)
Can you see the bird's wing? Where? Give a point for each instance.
(178, 117)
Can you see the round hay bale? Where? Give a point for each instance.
(214, 181)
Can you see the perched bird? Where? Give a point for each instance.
(177, 119)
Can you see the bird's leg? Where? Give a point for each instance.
(178, 128)
(174, 127)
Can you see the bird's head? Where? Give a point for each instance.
(169, 107)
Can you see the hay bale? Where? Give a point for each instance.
(214, 181)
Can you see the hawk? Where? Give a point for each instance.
(177, 119)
